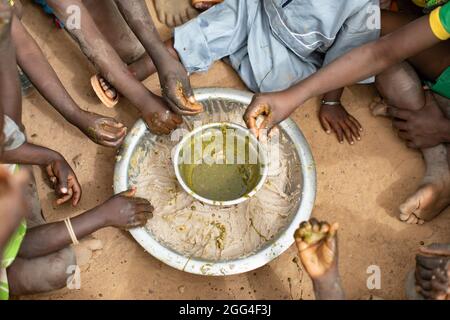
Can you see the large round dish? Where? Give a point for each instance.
(265, 254)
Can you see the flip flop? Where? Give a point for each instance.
(200, 4)
(107, 101)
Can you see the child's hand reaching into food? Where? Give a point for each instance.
(271, 108)
(64, 181)
(159, 119)
(334, 118)
(125, 211)
(100, 129)
(176, 88)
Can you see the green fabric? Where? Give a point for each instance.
(442, 85)
(444, 16)
(9, 254)
(11, 250)
(430, 5)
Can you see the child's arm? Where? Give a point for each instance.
(334, 117)
(121, 211)
(60, 173)
(103, 130)
(10, 97)
(358, 64)
(175, 84)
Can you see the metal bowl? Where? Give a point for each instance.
(271, 249)
(240, 131)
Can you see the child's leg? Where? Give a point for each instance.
(101, 129)
(99, 51)
(41, 274)
(115, 29)
(11, 98)
(44, 273)
(401, 87)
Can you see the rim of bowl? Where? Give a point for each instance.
(261, 153)
(260, 257)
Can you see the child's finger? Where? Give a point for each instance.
(64, 198)
(333, 229)
(51, 175)
(404, 135)
(399, 113)
(301, 245)
(324, 227)
(251, 115)
(113, 123)
(355, 130)
(109, 136)
(339, 134)
(356, 122)
(325, 125)
(62, 184)
(112, 144)
(400, 125)
(347, 133)
(76, 190)
(129, 193)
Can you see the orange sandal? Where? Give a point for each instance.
(107, 101)
(204, 4)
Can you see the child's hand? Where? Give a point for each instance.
(272, 107)
(102, 130)
(176, 89)
(336, 118)
(424, 128)
(162, 121)
(125, 211)
(64, 181)
(317, 247)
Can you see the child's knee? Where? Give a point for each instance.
(401, 87)
(60, 267)
(41, 274)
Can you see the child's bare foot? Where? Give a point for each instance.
(105, 91)
(175, 12)
(432, 272)
(378, 107)
(159, 119)
(434, 194)
(317, 248)
(336, 118)
(203, 5)
(100, 129)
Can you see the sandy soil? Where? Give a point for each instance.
(359, 186)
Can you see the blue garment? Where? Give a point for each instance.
(44, 6)
(273, 44)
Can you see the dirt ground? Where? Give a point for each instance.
(359, 186)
